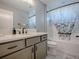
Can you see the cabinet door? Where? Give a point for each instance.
(41, 50)
(23, 54)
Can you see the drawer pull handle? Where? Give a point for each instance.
(12, 47)
(35, 48)
(77, 36)
(32, 50)
(44, 37)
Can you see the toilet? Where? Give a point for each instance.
(51, 48)
(52, 41)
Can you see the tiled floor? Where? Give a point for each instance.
(51, 57)
(51, 50)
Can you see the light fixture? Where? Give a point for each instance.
(31, 2)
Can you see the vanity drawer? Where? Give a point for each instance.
(44, 37)
(11, 47)
(32, 41)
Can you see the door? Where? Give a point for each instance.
(23, 54)
(41, 50)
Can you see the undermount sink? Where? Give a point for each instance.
(71, 47)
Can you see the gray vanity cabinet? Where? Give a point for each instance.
(29, 48)
(41, 50)
(23, 54)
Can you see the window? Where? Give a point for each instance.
(32, 22)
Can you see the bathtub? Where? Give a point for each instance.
(66, 49)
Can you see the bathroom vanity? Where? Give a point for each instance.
(29, 46)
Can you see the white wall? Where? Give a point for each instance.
(41, 15)
(19, 16)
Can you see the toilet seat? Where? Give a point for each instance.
(51, 43)
(52, 48)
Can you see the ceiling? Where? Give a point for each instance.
(51, 4)
(19, 4)
(47, 1)
(57, 1)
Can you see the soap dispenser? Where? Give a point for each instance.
(23, 30)
(14, 31)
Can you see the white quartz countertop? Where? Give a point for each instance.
(8, 38)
